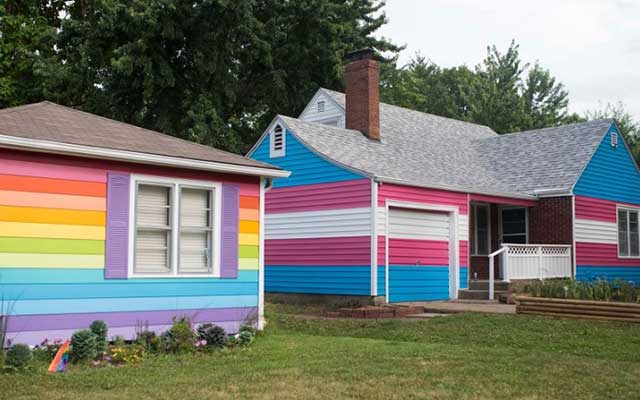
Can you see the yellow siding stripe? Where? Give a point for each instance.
(52, 216)
(249, 227)
(248, 263)
(23, 229)
(249, 239)
(51, 260)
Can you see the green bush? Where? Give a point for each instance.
(119, 341)
(214, 335)
(83, 346)
(180, 338)
(18, 357)
(599, 289)
(47, 350)
(246, 335)
(100, 330)
(149, 341)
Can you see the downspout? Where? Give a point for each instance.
(265, 185)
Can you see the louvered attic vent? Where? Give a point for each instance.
(614, 139)
(321, 106)
(277, 141)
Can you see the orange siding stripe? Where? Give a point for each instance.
(52, 216)
(249, 214)
(51, 200)
(49, 185)
(249, 202)
(249, 227)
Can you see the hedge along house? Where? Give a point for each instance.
(104, 220)
(396, 205)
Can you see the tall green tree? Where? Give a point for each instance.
(211, 71)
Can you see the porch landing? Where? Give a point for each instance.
(461, 306)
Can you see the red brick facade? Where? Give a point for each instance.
(362, 90)
(551, 221)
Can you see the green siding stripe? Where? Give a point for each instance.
(50, 246)
(248, 252)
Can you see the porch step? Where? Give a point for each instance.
(470, 294)
(484, 285)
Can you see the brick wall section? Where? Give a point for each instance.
(550, 222)
(362, 89)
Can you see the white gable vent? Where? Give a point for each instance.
(277, 142)
(614, 139)
(321, 106)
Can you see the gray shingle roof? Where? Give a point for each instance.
(52, 122)
(427, 150)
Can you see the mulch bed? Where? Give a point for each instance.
(375, 312)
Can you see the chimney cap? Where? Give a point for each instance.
(362, 54)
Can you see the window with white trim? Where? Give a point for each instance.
(480, 230)
(175, 228)
(628, 238)
(277, 139)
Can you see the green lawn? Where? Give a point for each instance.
(455, 357)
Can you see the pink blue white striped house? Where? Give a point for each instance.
(390, 204)
(101, 220)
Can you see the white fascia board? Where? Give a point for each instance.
(51, 147)
(384, 179)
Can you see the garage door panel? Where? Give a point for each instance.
(420, 225)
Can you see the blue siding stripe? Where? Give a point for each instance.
(343, 280)
(69, 306)
(464, 276)
(306, 167)
(89, 276)
(589, 273)
(611, 174)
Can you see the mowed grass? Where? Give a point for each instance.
(467, 356)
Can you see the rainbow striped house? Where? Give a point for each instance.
(104, 220)
(390, 204)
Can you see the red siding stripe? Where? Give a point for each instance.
(422, 195)
(323, 196)
(319, 251)
(595, 254)
(596, 209)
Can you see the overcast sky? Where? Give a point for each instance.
(592, 46)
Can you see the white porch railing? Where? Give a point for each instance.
(531, 261)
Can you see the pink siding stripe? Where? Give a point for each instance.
(319, 251)
(422, 195)
(45, 170)
(597, 209)
(323, 196)
(249, 189)
(422, 252)
(49, 200)
(503, 200)
(600, 254)
(463, 251)
(102, 166)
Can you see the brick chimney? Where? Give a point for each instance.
(362, 89)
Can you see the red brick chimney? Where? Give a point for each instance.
(362, 89)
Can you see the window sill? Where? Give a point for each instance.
(165, 276)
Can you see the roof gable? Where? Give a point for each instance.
(50, 122)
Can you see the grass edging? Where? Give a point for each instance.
(578, 309)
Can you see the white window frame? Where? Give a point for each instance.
(174, 212)
(474, 246)
(526, 224)
(628, 210)
(273, 152)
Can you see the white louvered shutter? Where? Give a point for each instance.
(196, 223)
(153, 229)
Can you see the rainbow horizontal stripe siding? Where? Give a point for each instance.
(52, 255)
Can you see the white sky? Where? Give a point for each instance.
(592, 46)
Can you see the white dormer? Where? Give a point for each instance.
(323, 110)
(277, 139)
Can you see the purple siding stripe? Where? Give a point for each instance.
(20, 323)
(230, 224)
(117, 238)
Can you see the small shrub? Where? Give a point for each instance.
(119, 341)
(180, 338)
(47, 350)
(83, 346)
(132, 354)
(99, 329)
(246, 336)
(214, 335)
(149, 341)
(18, 357)
(598, 289)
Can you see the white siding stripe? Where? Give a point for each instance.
(596, 231)
(316, 224)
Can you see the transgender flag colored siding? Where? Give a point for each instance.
(611, 180)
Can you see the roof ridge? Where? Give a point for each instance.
(548, 128)
(421, 112)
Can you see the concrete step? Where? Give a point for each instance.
(484, 285)
(469, 294)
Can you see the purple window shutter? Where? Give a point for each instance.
(117, 245)
(230, 222)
